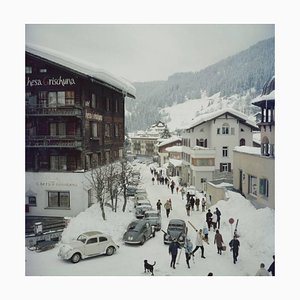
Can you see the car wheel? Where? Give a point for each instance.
(143, 240)
(75, 258)
(110, 250)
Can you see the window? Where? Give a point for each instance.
(93, 102)
(107, 156)
(242, 142)
(107, 104)
(57, 129)
(225, 167)
(252, 185)
(43, 70)
(59, 199)
(225, 151)
(107, 130)
(92, 241)
(42, 96)
(225, 128)
(90, 197)
(94, 129)
(58, 163)
(102, 239)
(70, 97)
(264, 187)
(32, 200)
(56, 99)
(200, 142)
(116, 105)
(218, 130)
(28, 70)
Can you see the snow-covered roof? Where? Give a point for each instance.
(175, 162)
(268, 93)
(83, 67)
(174, 149)
(170, 140)
(207, 117)
(247, 149)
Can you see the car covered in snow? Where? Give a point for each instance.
(141, 209)
(88, 244)
(138, 232)
(177, 230)
(142, 202)
(130, 191)
(154, 218)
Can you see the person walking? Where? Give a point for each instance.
(188, 208)
(153, 179)
(182, 193)
(208, 219)
(168, 207)
(199, 243)
(262, 271)
(214, 221)
(158, 205)
(272, 267)
(219, 241)
(234, 247)
(192, 201)
(177, 189)
(173, 250)
(197, 202)
(172, 186)
(188, 246)
(205, 232)
(218, 213)
(203, 204)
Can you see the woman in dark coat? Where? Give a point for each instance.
(173, 250)
(218, 241)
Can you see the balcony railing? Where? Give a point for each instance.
(54, 141)
(36, 110)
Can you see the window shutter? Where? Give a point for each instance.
(229, 167)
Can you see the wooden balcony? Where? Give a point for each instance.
(35, 110)
(54, 142)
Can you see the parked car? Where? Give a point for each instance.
(138, 232)
(140, 211)
(142, 202)
(88, 244)
(154, 218)
(138, 197)
(130, 191)
(177, 229)
(141, 191)
(191, 189)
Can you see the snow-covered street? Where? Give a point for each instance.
(256, 229)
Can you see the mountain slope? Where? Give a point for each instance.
(241, 74)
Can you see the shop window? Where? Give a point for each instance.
(59, 199)
(264, 187)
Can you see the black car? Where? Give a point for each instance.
(177, 230)
(138, 232)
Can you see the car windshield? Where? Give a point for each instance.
(82, 238)
(133, 226)
(178, 227)
(151, 215)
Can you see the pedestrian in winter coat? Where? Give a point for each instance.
(188, 246)
(203, 204)
(188, 208)
(218, 213)
(177, 189)
(262, 271)
(188, 196)
(197, 202)
(199, 243)
(172, 186)
(214, 221)
(182, 192)
(153, 180)
(205, 232)
(166, 180)
(219, 241)
(234, 247)
(272, 267)
(192, 200)
(158, 205)
(208, 219)
(173, 250)
(168, 207)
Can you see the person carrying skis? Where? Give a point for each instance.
(219, 241)
(188, 246)
(234, 247)
(199, 243)
(208, 219)
(173, 250)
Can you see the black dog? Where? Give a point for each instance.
(148, 267)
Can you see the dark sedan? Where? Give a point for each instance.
(177, 230)
(138, 232)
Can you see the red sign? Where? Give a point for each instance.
(231, 220)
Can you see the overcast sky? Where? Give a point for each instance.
(148, 52)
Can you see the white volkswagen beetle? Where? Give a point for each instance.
(88, 244)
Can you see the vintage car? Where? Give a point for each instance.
(142, 202)
(87, 244)
(154, 218)
(177, 230)
(138, 232)
(141, 209)
(130, 191)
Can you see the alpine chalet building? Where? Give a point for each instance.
(74, 122)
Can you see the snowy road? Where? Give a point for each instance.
(128, 261)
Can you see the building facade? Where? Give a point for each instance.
(254, 168)
(74, 122)
(208, 144)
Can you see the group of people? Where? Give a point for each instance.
(191, 202)
(213, 219)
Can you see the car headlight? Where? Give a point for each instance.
(167, 237)
(181, 238)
